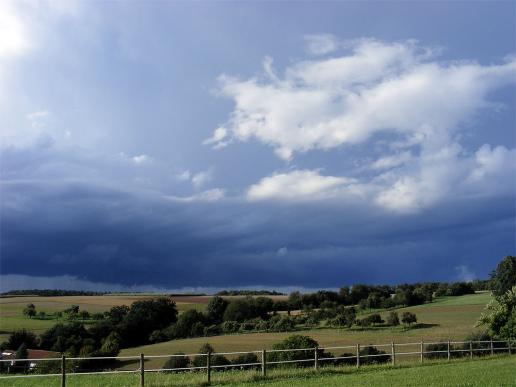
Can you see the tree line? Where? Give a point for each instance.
(155, 320)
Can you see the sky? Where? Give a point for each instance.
(196, 146)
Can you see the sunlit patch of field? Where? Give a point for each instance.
(438, 321)
(11, 308)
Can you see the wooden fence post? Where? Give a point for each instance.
(264, 363)
(510, 348)
(449, 351)
(492, 348)
(208, 366)
(470, 349)
(142, 370)
(63, 371)
(393, 353)
(316, 358)
(358, 355)
(422, 350)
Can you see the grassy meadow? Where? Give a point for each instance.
(496, 371)
(12, 318)
(446, 318)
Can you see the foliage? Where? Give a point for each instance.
(374, 356)
(408, 318)
(294, 342)
(189, 324)
(64, 338)
(144, 317)
(215, 360)
(177, 361)
(460, 289)
(343, 318)
(20, 337)
(282, 324)
(248, 308)
(230, 326)
(479, 343)
(500, 316)
(215, 310)
(372, 319)
(117, 313)
(246, 358)
(29, 310)
(393, 319)
(503, 278)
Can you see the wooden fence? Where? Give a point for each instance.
(394, 351)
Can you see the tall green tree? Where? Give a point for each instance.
(215, 309)
(503, 278)
(500, 316)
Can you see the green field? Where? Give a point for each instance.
(450, 318)
(11, 308)
(497, 371)
(446, 318)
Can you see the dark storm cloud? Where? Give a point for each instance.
(111, 236)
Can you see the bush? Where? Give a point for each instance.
(295, 342)
(248, 326)
(408, 318)
(230, 326)
(460, 288)
(158, 336)
(247, 358)
(344, 318)
(177, 361)
(375, 356)
(212, 330)
(370, 320)
(20, 337)
(393, 319)
(216, 360)
(262, 326)
(282, 324)
(442, 351)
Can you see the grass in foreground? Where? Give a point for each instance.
(496, 371)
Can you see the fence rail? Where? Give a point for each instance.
(313, 356)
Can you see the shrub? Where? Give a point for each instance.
(248, 326)
(230, 326)
(20, 337)
(393, 319)
(344, 318)
(158, 336)
(408, 318)
(373, 319)
(480, 349)
(177, 361)
(294, 342)
(460, 288)
(247, 358)
(262, 326)
(283, 324)
(216, 360)
(212, 330)
(441, 350)
(374, 356)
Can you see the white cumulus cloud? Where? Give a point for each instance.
(377, 87)
(297, 185)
